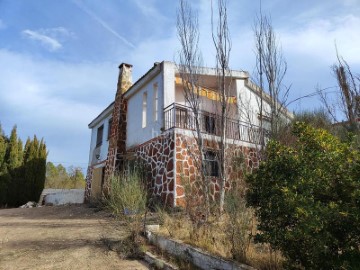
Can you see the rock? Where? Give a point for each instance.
(29, 205)
(152, 228)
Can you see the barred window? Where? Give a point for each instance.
(211, 164)
(209, 122)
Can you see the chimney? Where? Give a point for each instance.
(117, 138)
(125, 78)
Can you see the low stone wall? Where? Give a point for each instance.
(62, 196)
(197, 257)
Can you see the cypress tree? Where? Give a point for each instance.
(35, 168)
(41, 170)
(20, 152)
(14, 175)
(22, 169)
(3, 146)
(13, 161)
(3, 168)
(29, 168)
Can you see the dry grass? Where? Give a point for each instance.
(214, 238)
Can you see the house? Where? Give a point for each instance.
(150, 120)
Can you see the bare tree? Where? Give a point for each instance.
(222, 42)
(347, 99)
(271, 68)
(189, 65)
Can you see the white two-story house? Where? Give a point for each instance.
(150, 121)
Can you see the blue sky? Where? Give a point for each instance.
(59, 59)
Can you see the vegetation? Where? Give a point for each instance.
(189, 65)
(205, 218)
(306, 200)
(270, 72)
(302, 204)
(22, 169)
(127, 200)
(345, 102)
(59, 177)
(230, 237)
(318, 118)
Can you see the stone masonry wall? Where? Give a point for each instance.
(243, 159)
(158, 157)
(117, 138)
(88, 179)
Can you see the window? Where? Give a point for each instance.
(211, 164)
(109, 128)
(155, 102)
(209, 122)
(99, 136)
(144, 109)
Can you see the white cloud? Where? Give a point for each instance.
(317, 39)
(55, 100)
(59, 32)
(50, 38)
(148, 9)
(50, 43)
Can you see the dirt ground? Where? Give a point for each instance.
(59, 237)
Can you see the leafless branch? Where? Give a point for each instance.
(271, 68)
(189, 65)
(222, 42)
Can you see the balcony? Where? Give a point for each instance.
(179, 116)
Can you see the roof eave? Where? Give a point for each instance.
(102, 115)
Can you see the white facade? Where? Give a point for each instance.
(157, 90)
(144, 122)
(98, 152)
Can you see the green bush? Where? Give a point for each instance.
(307, 200)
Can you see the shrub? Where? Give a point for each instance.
(127, 200)
(306, 199)
(239, 224)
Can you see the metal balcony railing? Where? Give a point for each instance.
(180, 116)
